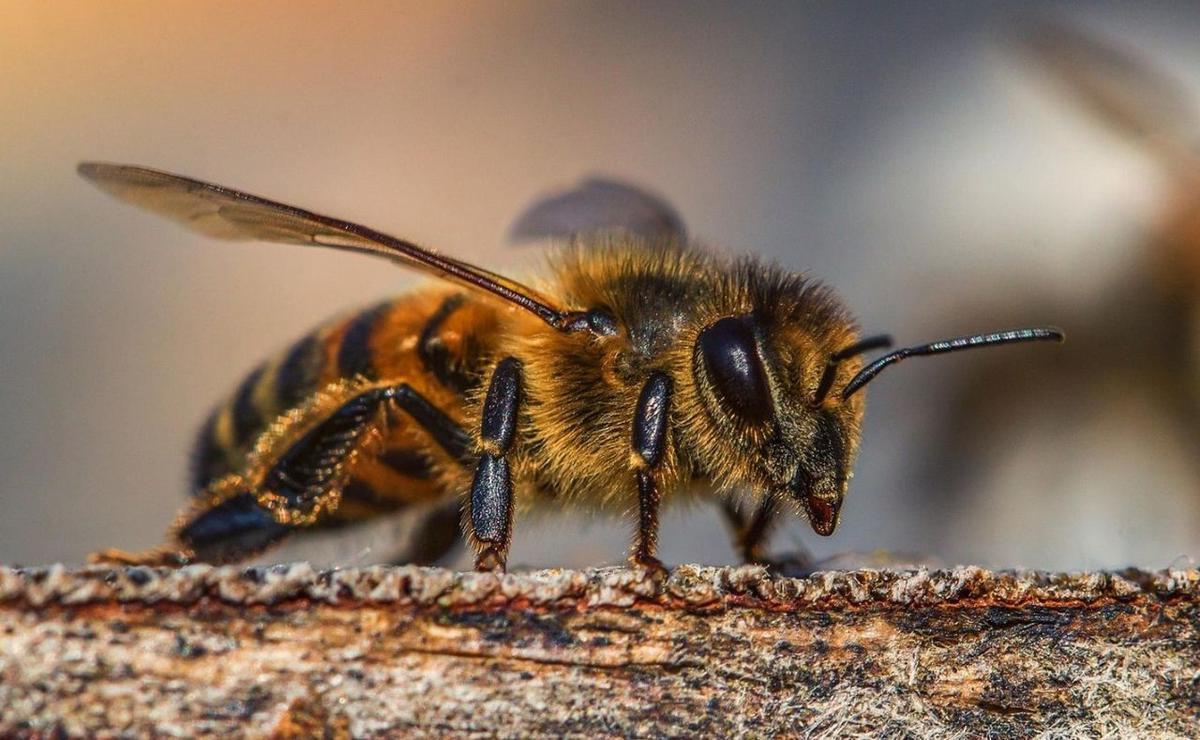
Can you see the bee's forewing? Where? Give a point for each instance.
(226, 213)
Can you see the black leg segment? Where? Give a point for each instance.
(491, 499)
(750, 531)
(649, 441)
(445, 431)
(491, 490)
(754, 538)
(500, 407)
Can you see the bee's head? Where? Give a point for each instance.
(761, 398)
(780, 390)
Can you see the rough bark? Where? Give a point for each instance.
(712, 651)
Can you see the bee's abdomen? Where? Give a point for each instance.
(435, 341)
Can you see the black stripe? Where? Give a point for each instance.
(433, 352)
(247, 422)
(354, 356)
(208, 458)
(300, 371)
(406, 462)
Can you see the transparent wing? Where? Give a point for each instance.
(230, 214)
(599, 205)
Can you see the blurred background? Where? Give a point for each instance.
(946, 166)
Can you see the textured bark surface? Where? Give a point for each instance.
(285, 650)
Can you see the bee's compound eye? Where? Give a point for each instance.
(732, 363)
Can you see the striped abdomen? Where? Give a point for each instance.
(432, 340)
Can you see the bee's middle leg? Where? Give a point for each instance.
(491, 504)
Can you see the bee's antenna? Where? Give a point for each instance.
(1012, 336)
(881, 341)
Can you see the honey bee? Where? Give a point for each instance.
(640, 366)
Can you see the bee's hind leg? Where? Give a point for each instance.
(750, 534)
(304, 486)
(156, 557)
(301, 486)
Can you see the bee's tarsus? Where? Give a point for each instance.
(657, 570)
(489, 560)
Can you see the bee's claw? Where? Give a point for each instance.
(655, 568)
(489, 561)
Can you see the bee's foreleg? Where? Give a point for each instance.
(750, 538)
(750, 533)
(648, 442)
(492, 490)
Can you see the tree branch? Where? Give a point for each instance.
(376, 651)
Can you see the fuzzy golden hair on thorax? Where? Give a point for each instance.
(662, 295)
